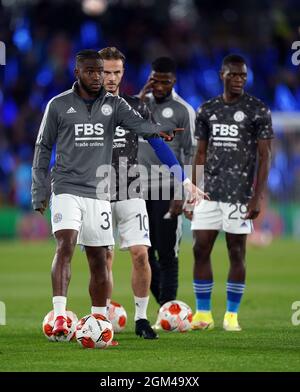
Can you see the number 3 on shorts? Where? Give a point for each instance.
(106, 220)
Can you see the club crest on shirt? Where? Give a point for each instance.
(106, 110)
(57, 217)
(167, 112)
(239, 116)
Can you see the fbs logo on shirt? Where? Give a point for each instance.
(225, 130)
(89, 131)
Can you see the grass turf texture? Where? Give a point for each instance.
(268, 342)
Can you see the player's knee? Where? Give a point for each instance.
(65, 248)
(236, 254)
(201, 252)
(98, 265)
(140, 258)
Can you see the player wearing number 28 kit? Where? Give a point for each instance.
(232, 130)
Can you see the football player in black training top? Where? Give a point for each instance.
(234, 132)
(129, 212)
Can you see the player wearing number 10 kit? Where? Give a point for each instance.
(129, 213)
(232, 129)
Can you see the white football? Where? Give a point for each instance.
(175, 316)
(94, 331)
(117, 316)
(48, 324)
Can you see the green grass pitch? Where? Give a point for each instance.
(268, 342)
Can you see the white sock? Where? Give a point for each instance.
(141, 305)
(59, 306)
(99, 310)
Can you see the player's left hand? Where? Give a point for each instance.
(188, 214)
(253, 208)
(175, 208)
(43, 207)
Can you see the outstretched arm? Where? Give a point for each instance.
(130, 119)
(198, 173)
(167, 157)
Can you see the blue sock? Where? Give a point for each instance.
(202, 290)
(235, 291)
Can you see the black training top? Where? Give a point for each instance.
(232, 131)
(125, 152)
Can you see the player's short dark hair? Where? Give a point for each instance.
(233, 59)
(112, 53)
(164, 65)
(87, 54)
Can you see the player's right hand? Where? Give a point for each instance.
(146, 89)
(43, 208)
(166, 136)
(169, 138)
(194, 194)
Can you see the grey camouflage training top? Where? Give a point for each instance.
(176, 113)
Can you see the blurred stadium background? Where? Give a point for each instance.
(42, 37)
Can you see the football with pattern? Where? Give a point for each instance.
(175, 316)
(117, 316)
(48, 323)
(94, 331)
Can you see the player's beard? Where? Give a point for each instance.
(113, 89)
(88, 90)
(161, 97)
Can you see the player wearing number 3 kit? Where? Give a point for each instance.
(81, 122)
(232, 130)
